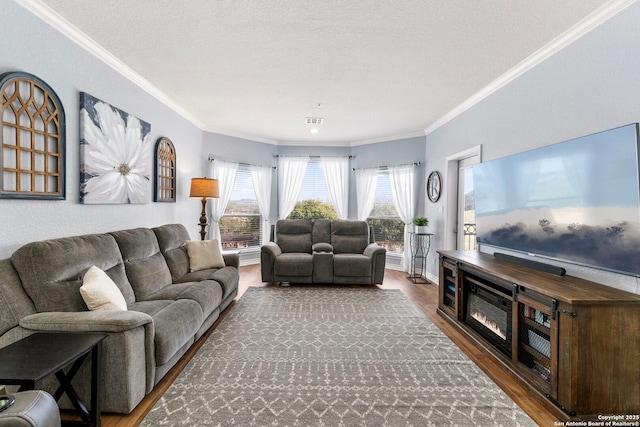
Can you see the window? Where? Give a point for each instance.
(241, 222)
(313, 201)
(388, 228)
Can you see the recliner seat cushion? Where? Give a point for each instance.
(207, 293)
(351, 265)
(293, 265)
(175, 324)
(227, 277)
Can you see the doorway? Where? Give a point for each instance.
(466, 225)
(460, 209)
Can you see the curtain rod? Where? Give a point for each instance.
(211, 159)
(387, 167)
(316, 157)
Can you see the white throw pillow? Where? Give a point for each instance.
(204, 254)
(99, 292)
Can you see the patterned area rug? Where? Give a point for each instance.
(310, 356)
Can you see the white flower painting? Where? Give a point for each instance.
(115, 156)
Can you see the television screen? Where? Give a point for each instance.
(576, 201)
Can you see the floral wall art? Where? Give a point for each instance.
(115, 156)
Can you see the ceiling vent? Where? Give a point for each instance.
(315, 120)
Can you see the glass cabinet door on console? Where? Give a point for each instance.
(448, 292)
(537, 342)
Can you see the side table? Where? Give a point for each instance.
(28, 361)
(419, 245)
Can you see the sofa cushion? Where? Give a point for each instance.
(293, 265)
(14, 302)
(321, 231)
(351, 265)
(171, 239)
(227, 277)
(204, 254)
(294, 235)
(349, 237)
(99, 292)
(146, 268)
(51, 271)
(207, 293)
(175, 323)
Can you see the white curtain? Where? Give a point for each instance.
(401, 178)
(366, 183)
(225, 173)
(336, 176)
(291, 171)
(261, 177)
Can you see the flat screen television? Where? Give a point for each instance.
(577, 201)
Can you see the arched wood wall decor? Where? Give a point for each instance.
(32, 136)
(165, 171)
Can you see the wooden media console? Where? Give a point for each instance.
(574, 343)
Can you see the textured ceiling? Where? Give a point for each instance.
(379, 69)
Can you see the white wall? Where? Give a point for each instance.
(590, 86)
(28, 44)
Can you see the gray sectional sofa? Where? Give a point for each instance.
(322, 251)
(168, 307)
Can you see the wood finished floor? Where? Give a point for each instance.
(425, 296)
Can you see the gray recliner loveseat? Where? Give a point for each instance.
(168, 307)
(322, 251)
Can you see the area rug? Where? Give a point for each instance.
(318, 356)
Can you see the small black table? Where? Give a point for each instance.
(28, 361)
(419, 245)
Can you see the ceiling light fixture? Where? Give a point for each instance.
(315, 120)
(314, 130)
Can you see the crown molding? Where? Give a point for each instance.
(353, 143)
(240, 135)
(313, 144)
(51, 17)
(387, 138)
(584, 26)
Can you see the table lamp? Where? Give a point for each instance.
(207, 188)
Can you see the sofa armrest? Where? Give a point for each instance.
(374, 249)
(268, 254)
(271, 249)
(378, 256)
(115, 323)
(85, 321)
(322, 247)
(231, 259)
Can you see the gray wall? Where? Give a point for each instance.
(391, 153)
(30, 45)
(234, 149)
(590, 86)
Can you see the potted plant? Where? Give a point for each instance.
(420, 224)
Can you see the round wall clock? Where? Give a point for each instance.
(434, 186)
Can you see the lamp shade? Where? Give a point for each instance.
(207, 188)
